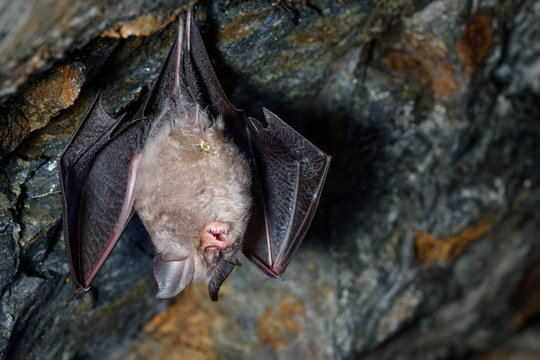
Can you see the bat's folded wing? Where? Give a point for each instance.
(291, 173)
(97, 182)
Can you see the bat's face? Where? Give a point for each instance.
(193, 197)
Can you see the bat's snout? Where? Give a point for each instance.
(215, 237)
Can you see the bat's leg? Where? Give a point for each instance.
(179, 52)
(188, 29)
(197, 124)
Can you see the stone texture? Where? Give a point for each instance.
(425, 243)
(35, 33)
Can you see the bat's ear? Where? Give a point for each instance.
(172, 276)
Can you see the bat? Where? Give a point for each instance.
(207, 181)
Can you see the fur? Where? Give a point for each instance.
(180, 187)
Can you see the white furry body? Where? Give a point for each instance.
(181, 188)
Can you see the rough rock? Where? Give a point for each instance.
(36, 33)
(425, 242)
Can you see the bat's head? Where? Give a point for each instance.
(193, 195)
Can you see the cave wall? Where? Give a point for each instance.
(425, 241)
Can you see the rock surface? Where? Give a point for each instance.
(36, 33)
(425, 243)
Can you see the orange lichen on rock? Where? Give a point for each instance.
(435, 72)
(476, 42)
(280, 325)
(320, 32)
(444, 82)
(531, 311)
(430, 249)
(44, 99)
(402, 62)
(61, 127)
(241, 27)
(141, 26)
(183, 331)
(438, 74)
(433, 61)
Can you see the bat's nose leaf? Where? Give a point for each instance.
(172, 276)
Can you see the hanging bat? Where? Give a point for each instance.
(207, 181)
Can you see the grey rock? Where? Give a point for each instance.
(36, 33)
(425, 242)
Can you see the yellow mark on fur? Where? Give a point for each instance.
(205, 145)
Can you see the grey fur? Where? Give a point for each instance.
(182, 188)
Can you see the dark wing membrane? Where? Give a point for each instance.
(200, 75)
(165, 87)
(291, 173)
(187, 69)
(94, 171)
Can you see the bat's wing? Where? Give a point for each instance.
(97, 174)
(99, 165)
(188, 70)
(198, 70)
(291, 173)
